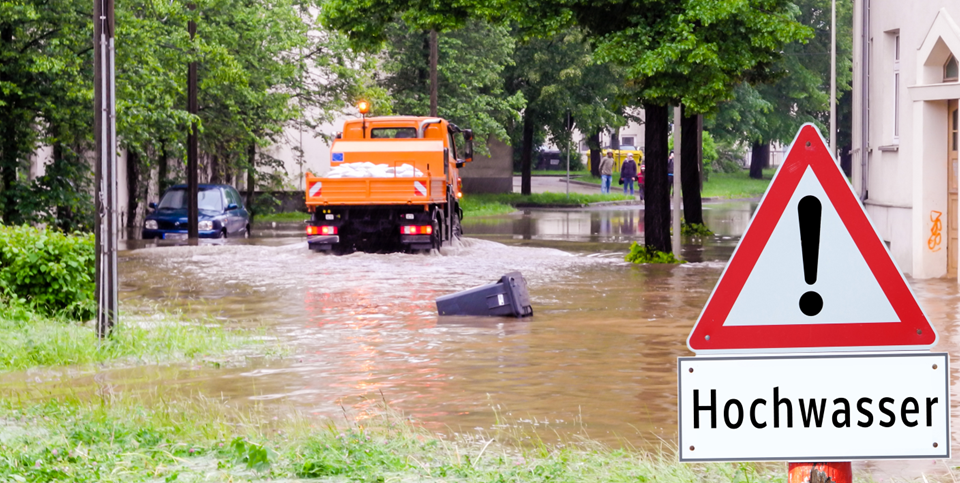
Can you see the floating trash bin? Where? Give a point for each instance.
(508, 297)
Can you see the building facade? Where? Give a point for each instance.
(905, 128)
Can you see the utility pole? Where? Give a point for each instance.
(434, 59)
(105, 132)
(677, 200)
(833, 79)
(193, 149)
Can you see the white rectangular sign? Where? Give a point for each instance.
(814, 408)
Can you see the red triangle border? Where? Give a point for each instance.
(914, 330)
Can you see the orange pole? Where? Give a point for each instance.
(820, 472)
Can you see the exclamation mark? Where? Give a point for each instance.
(809, 212)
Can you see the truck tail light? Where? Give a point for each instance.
(416, 230)
(321, 230)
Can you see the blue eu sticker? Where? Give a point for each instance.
(337, 157)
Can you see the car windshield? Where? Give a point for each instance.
(207, 200)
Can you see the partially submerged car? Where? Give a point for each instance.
(221, 210)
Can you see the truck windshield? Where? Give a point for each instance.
(393, 133)
(207, 200)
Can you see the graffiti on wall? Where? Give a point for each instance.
(933, 243)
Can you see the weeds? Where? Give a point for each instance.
(694, 229)
(210, 440)
(31, 340)
(644, 254)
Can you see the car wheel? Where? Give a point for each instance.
(223, 234)
(246, 232)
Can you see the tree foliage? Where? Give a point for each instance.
(470, 71)
(774, 111)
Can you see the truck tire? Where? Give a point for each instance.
(457, 227)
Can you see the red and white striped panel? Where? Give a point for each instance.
(419, 189)
(315, 189)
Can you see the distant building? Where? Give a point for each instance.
(905, 128)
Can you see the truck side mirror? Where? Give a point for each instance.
(467, 145)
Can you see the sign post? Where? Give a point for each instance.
(812, 348)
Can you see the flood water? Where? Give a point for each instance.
(598, 356)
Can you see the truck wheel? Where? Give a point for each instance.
(457, 227)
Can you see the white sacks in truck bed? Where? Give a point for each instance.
(370, 170)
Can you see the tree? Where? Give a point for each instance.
(799, 90)
(470, 86)
(558, 75)
(45, 98)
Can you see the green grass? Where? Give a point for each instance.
(736, 185)
(156, 438)
(30, 340)
(720, 185)
(290, 217)
(499, 203)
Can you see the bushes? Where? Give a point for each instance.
(644, 254)
(48, 270)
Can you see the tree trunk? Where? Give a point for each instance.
(656, 204)
(526, 154)
(615, 139)
(9, 152)
(133, 189)
(760, 154)
(215, 167)
(251, 177)
(691, 155)
(594, 142)
(162, 168)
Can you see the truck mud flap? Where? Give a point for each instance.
(417, 242)
(323, 243)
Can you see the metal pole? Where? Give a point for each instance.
(105, 132)
(193, 212)
(434, 59)
(677, 120)
(568, 170)
(833, 78)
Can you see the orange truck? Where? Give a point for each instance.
(393, 184)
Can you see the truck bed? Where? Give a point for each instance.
(375, 191)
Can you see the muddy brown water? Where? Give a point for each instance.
(597, 358)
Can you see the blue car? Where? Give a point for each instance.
(222, 214)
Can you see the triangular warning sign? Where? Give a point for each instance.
(811, 273)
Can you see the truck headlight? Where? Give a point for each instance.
(150, 224)
(205, 225)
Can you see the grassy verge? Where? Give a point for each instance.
(499, 203)
(207, 440)
(543, 172)
(291, 217)
(30, 340)
(736, 185)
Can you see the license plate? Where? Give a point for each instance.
(174, 236)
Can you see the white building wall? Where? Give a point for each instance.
(901, 171)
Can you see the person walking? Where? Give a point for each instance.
(628, 173)
(606, 171)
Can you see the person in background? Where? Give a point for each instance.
(628, 172)
(606, 171)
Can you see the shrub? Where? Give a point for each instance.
(694, 229)
(51, 271)
(644, 254)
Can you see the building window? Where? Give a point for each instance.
(950, 70)
(896, 88)
(628, 141)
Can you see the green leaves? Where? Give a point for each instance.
(51, 271)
